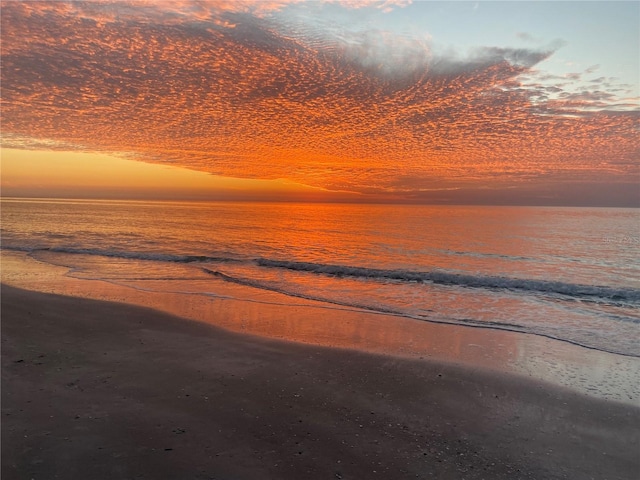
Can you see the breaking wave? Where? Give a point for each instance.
(463, 280)
(595, 293)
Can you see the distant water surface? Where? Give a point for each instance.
(571, 274)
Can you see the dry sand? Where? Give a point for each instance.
(96, 390)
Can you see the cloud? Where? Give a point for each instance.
(225, 88)
(527, 37)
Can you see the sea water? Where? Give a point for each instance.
(570, 274)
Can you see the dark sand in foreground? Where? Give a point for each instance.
(107, 391)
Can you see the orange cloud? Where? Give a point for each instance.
(179, 86)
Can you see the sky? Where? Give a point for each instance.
(356, 100)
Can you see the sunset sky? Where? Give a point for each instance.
(359, 100)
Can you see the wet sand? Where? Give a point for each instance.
(97, 390)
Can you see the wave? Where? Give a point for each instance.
(457, 279)
(593, 293)
(158, 257)
(265, 286)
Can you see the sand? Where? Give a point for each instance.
(104, 390)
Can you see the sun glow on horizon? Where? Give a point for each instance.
(51, 173)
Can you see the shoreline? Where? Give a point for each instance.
(109, 390)
(245, 310)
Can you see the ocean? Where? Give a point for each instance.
(569, 274)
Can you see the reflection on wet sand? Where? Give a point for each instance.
(269, 314)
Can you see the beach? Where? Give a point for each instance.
(105, 390)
